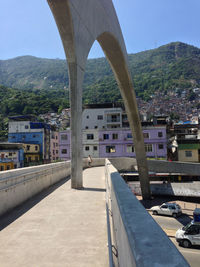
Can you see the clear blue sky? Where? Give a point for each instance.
(28, 28)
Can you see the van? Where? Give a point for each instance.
(189, 235)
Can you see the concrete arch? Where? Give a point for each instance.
(80, 23)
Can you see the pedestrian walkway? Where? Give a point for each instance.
(60, 227)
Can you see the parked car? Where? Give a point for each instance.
(171, 209)
(189, 235)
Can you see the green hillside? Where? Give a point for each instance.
(175, 65)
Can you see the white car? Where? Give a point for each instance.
(189, 235)
(170, 209)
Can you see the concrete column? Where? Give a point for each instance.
(76, 79)
(140, 154)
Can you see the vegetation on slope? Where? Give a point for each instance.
(175, 65)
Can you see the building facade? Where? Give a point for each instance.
(64, 145)
(11, 156)
(119, 143)
(90, 143)
(54, 146)
(22, 130)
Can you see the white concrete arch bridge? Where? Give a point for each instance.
(80, 23)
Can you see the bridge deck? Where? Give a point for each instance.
(59, 227)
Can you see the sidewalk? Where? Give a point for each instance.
(65, 228)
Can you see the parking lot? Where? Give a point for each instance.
(170, 225)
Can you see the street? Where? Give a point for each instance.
(170, 225)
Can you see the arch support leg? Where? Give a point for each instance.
(76, 75)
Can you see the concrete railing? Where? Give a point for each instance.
(16, 186)
(139, 239)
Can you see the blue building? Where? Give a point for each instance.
(26, 129)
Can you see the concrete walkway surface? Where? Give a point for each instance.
(59, 227)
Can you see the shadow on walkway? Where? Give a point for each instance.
(18, 211)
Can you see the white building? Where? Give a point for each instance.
(100, 118)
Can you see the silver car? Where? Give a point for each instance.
(171, 209)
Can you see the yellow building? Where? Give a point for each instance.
(189, 152)
(4, 166)
(31, 152)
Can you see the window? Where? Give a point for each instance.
(28, 147)
(164, 207)
(64, 137)
(36, 158)
(148, 148)
(57, 151)
(95, 148)
(8, 167)
(106, 136)
(129, 136)
(2, 168)
(26, 126)
(188, 154)
(160, 134)
(36, 148)
(114, 136)
(130, 149)
(87, 148)
(146, 135)
(90, 136)
(95, 127)
(110, 149)
(56, 137)
(64, 151)
(10, 154)
(87, 117)
(160, 146)
(86, 127)
(193, 230)
(100, 117)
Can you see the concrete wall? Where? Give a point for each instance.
(174, 167)
(171, 189)
(177, 189)
(140, 241)
(18, 185)
(161, 166)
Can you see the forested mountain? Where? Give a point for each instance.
(175, 65)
